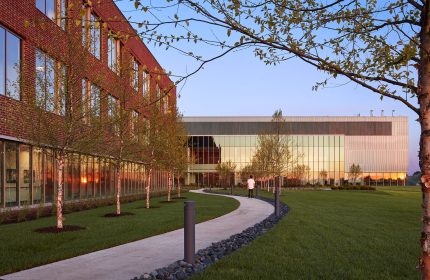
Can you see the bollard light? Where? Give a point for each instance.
(189, 231)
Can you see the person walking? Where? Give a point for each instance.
(251, 185)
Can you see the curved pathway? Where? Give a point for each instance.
(133, 259)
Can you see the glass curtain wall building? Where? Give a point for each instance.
(29, 176)
(327, 146)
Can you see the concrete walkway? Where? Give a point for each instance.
(133, 259)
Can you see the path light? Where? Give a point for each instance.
(189, 231)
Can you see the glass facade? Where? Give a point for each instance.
(323, 157)
(29, 176)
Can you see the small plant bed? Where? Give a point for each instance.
(22, 248)
(166, 201)
(66, 228)
(115, 215)
(150, 207)
(353, 188)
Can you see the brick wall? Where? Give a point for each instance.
(38, 31)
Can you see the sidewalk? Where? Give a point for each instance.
(133, 259)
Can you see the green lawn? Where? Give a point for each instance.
(22, 248)
(334, 235)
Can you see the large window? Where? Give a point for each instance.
(113, 106)
(134, 121)
(90, 99)
(10, 64)
(11, 175)
(145, 83)
(55, 10)
(114, 51)
(50, 83)
(134, 75)
(91, 32)
(24, 175)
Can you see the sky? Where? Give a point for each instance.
(241, 85)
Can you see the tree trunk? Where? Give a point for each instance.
(60, 165)
(118, 190)
(424, 153)
(148, 186)
(179, 187)
(169, 185)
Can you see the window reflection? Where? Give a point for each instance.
(11, 175)
(24, 174)
(10, 64)
(316, 152)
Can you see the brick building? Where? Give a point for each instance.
(89, 44)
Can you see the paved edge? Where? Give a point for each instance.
(208, 256)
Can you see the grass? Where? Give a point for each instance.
(21, 247)
(334, 235)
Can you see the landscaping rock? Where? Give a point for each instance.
(181, 270)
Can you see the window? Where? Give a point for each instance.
(113, 104)
(55, 10)
(91, 32)
(158, 97)
(134, 75)
(145, 83)
(134, 121)
(90, 99)
(114, 50)
(10, 64)
(50, 83)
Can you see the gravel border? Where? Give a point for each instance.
(181, 270)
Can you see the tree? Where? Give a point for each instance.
(154, 144)
(324, 175)
(124, 126)
(53, 112)
(225, 170)
(300, 172)
(383, 46)
(274, 149)
(175, 153)
(179, 155)
(355, 172)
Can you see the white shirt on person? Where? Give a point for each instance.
(251, 184)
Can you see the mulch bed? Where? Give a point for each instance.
(165, 201)
(150, 207)
(114, 215)
(66, 228)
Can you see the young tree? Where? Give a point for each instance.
(179, 154)
(55, 115)
(300, 172)
(274, 149)
(155, 144)
(323, 176)
(175, 153)
(355, 172)
(225, 170)
(125, 129)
